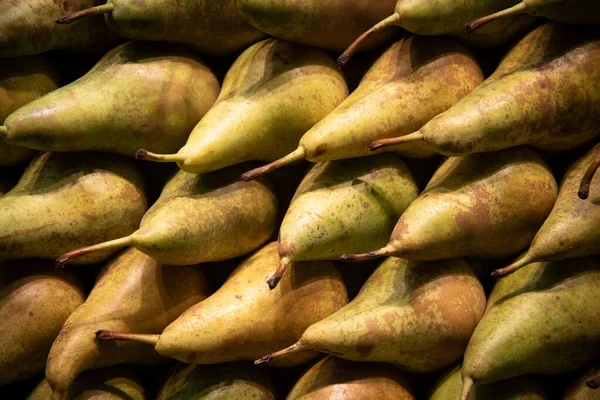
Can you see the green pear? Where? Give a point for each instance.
(200, 218)
(35, 301)
(542, 319)
(344, 206)
(212, 28)
(418, 316)
(418, 75)
(545, 93)
(70, 200)
(28, 28)
(244, 319)
(482, 205)
(237, 381)
(586, 387)
(140, 94)
(133, 293)
(334, 378)
(273, 93)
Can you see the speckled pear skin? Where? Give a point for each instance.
(579, 390)
(245, 320)
(545, 93)
(28, 27)
(140, 94)
(35, 301)
(414, 80)
(70, 200)
(346, 206)
(334, 378)
(218, 382)
(272, 94)
(133, 293)
(418, 316)
(541, 319)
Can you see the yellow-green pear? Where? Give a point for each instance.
(133, 293)
(70, 200)
(273, 93)
(416, 315)
(587, 387)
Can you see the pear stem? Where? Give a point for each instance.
(584, 187)
(392, 20)
(467, 385)
(111, 244)
(384, 251)
(88, 12)
(478, 23)
(3, 131)
(142, 154)
(130, 337)
(295, 155)
(520, 263)
(396, 140)
(274, 280)
(296, 347)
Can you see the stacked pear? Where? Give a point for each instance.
(334, 378)
(586, 387)
(35, 301)
(200, 218)
(414, 80)
(273, 93)
(418, 316)
(545, 93)
(544, 318)
(344, 206)
(70, 200)
(483, 205)
(132, 293)
(140, 94)
(244, 318)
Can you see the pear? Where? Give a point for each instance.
(542, 319)
(334, 378)
(573, 227)
(28, 28)
(200, 218)
(244, 319)
(140, 94)
(212, 28)
(586, 387)
(273, 93)
(237, 381)
(418, 75)
(70, 200)
(133, 293)
(483, 205)
(344, 206)
(35, 301)
(545, 93)
(418, 316)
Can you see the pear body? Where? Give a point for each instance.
(139, 95)
(346, 206)
(70, 200)
(245, 320)
(217, 382)
(579, 390)
(569, 11)
(35, 301)
(273, 93)
(543, 319)
(418, 316)
(132, 293)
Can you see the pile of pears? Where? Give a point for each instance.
(301, 200)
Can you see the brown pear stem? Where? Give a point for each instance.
(88, 12)
(3, 131)
(584, 186)
(520, 263)
(130, 337)
(274, 280)
(467, 385)
(295, 155)
(392, 20)
(378, 144)
(296, 347)
(478, 23)
(142, 154)
(111, 244)
(384, 251)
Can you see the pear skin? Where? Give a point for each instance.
(542, 319)
(133, 293)
(418, 316)
(140, 94)
(273, 93)
(70, 200)
(586, 387)
(35, 301)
